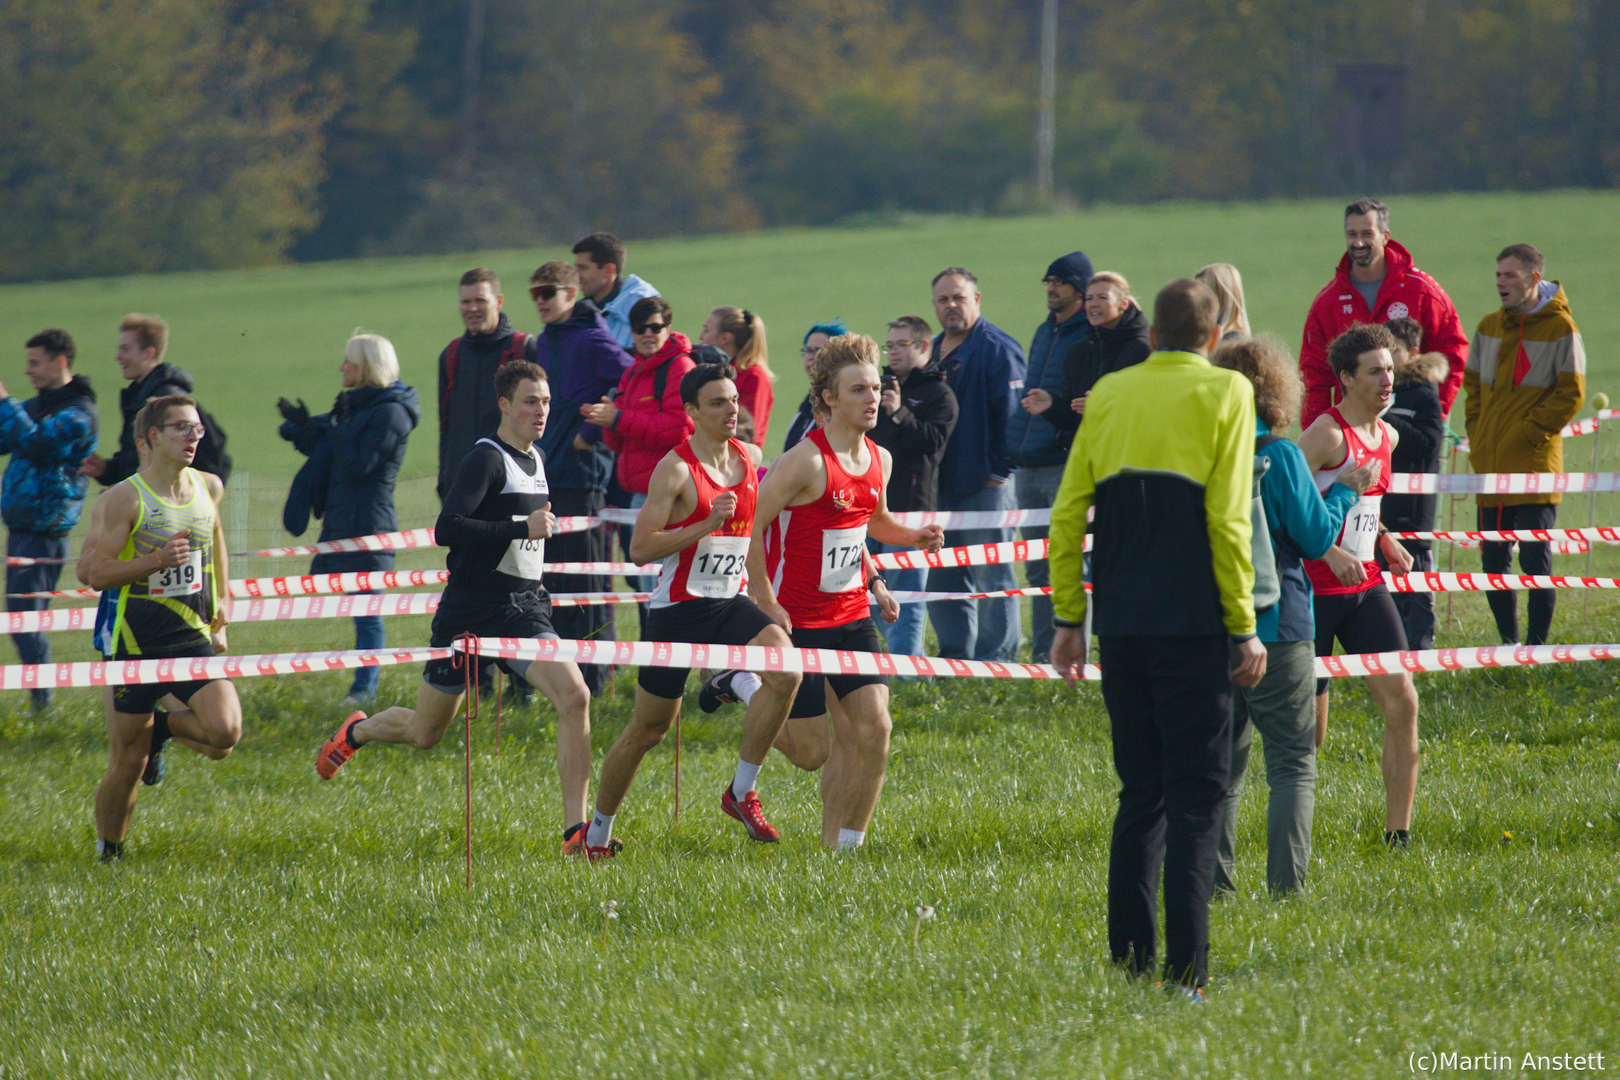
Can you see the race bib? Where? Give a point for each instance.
(717, 567)
(183, 580)
(841, 559)
(524, 558)
(1360, 536)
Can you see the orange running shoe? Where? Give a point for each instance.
(338, 749)
(749, 812)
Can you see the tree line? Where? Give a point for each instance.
(180, 134)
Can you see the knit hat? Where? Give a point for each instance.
(1073, 268)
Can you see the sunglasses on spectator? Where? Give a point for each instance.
(650, 327)
(892, 346)
(546, 292)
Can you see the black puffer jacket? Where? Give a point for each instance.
(1421, 428)
(915, 436)
(161, 381)
(1099, 352)
(365, 435)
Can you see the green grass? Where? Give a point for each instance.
(266, 924)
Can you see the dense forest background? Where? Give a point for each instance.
(144, 135)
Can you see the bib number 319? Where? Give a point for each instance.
(183, 580)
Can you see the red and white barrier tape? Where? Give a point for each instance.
(840, 662)
(746, 657)
(198, 668)
(1603, 534)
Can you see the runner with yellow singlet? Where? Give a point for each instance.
(170, 569)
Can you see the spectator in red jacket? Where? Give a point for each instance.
(1375, 282)
(646, 420)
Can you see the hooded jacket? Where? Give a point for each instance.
(649, 427)
(1406, 292)
(915, 435)
(1032, 442)
(986, 373)
(467, 404)
(584, 364)
(1421, 427)
(616, 308)
(365, 437)
(47, 437)
(1526, 379)
(1099, 351)
(164, 379)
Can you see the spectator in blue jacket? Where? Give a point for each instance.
(599, 262)
(1037, 449)
(583, 363)
(1303, 525)
(984, 367)
(42, 493)
(350, 481)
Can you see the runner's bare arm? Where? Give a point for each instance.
(672, 495)
(82, 566)
(222, 562)
(795, 474)
(1322, 443)
(105, 570)
(885, 528)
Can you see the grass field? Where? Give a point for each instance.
(266, 924)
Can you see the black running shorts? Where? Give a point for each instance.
(858, 636)
(733, 621)
(511, 615)
(140, 698)
(1364, 622)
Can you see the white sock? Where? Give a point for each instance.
(743, 684)
(850, 839)
(600, 830)
(743, 782)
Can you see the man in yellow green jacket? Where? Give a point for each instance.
(1525, 379)
(1166, 454)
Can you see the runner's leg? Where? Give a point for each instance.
(564, 687)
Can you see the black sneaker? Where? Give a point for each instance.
(1396, 839)
(717, 691)
(153, 773)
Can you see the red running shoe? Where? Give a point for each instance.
(337, 750)
(749, 812)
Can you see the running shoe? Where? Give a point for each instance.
(153, 773)
(748, 811)
(338, 749)
(608, 850)
(716, 692)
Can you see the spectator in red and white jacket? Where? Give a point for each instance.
(641, 424)
(1376, 282)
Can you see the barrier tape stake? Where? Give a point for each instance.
(1591, 520)
(677, 767)
(469, 709)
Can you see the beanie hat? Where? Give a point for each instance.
(1073, 268)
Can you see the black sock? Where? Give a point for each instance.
(1396, 838)
(160, 727)
(109, 850)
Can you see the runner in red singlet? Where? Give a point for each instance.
(1352, 603)
(827, 494)
(698, 520)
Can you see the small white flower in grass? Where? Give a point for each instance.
(925, 913)
(610, 911)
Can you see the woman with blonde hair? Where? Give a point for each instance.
(740, 334)
(1116, 338)
(355, 453)
(1226, 283)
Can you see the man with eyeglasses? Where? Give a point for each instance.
(1037, 448)
(584, 364)
(160, 543)
(916, 416)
